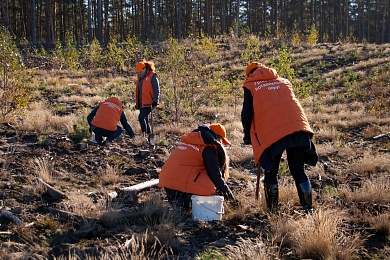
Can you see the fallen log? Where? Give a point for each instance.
(141, 186)
(130, 193)
(54, 193)
(11, 217)
(385, 135)
(65, 216)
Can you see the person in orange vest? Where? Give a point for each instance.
(147, 93)
(199, 165)
(274, 121)
(104, 118)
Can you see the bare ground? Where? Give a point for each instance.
(77, 169)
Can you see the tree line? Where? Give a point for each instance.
(81, 21)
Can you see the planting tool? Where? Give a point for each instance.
(258, 182)
(151, 135)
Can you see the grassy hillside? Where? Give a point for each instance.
(344, 89)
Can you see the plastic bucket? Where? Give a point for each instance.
(207, 208)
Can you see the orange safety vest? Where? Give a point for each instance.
(185, 170)
(147, 94)
(277, 112)
(108, 114)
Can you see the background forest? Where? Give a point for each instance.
(80, 21)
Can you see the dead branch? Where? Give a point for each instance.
(54, 193)
(11, 217)
(65, 216)
(385, 135)
(130, 193)
(141, 186)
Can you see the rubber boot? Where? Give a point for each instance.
(271, 196)
(305, 196)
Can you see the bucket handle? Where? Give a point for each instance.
(221, 212)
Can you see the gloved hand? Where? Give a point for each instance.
(154, 104)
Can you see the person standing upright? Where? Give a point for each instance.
(274, 121)
(147, 93)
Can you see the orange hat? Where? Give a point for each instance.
(139, 66)
(221, 131)
(251, 67)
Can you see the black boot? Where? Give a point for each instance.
(271, 196)
(305, 196)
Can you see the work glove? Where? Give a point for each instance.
(154, 104)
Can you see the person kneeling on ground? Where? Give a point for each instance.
(103, 121)
(199, 165)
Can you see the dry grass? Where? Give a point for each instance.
(43, 169)
(376, 190)
(91, 101)
(370, 163)
(326, 235)
(82, 205)
(317, 237)
(39, 118)
(288, 196)
(247, 205)
(109, 175)
(381, 224)
(251, 249)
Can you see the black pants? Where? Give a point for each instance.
(296, 162)
(144, 120)
(179, 198)
(111, 135)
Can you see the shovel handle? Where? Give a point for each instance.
(151, 118)
(258, 182)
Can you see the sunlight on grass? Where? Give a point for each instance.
(43, 169)
(317, 237)
(375, 190)
(109, 175)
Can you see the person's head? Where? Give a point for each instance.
(252, 67)
(143, 66)
(220, 132)
(140, 68)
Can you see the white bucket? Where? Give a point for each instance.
(207, 208)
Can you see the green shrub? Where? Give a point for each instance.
(282, 63)
(15, 91)
(43, 140)
(252, 51)
(80, 132)
(92, 55)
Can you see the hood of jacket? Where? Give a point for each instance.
(114, 100)
(200, 136)
(262, 73)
